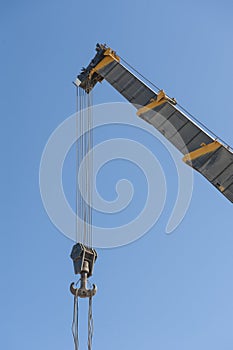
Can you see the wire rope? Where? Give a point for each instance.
(90, 325)
(75, 324)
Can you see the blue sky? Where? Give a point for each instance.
(161, 291)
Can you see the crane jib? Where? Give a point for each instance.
(201, 151)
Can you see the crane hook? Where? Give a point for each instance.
(83, 292)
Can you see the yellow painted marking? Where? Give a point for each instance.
(205, 149)
(161, 99)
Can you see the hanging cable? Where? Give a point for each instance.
(90, 325)
(84, 125)
(75, 324)
(77, 164)
(83, 254)
(89, 167)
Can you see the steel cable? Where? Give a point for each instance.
(90, 325)
(75, 324)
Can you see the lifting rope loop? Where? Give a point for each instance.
(84, 145)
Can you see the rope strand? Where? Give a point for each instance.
(90, 325)
(84, 186)
(84, 144)
(75, 324)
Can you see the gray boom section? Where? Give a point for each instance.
(201, 151)
(178, 128)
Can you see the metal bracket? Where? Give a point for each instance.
(109, 57)
(204, 149)
(161, 99)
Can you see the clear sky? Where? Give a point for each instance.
(162, 291)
